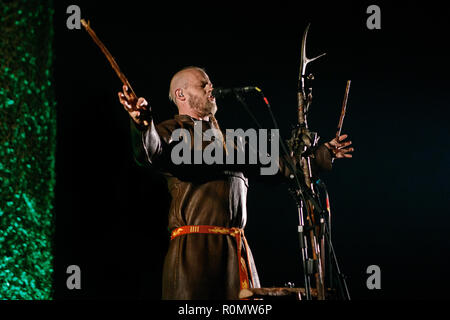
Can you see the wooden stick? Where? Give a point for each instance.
(344, 109)
(111, 59)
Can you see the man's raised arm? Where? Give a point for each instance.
(146, 142)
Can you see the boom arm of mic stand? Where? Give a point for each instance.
(289, 162)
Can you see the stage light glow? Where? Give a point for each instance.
(27, 150)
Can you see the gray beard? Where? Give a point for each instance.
(209, 107)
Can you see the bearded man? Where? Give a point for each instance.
(208, 256)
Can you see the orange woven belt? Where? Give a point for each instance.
(237, 233)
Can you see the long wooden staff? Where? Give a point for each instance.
(111, 60)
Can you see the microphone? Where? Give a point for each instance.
(221, 92)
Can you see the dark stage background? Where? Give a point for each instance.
(389, 203)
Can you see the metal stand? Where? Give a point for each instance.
(307, 270)
(342, 283)
(325, 233)
(302, 194)
(315, 228)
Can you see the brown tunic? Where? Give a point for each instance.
(200, 266)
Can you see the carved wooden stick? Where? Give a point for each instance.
(110, 58)
(344, 109)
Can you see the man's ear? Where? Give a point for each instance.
(179, 94)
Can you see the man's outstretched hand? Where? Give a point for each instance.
(137, 108)
(339, 147)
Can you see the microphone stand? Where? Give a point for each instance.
(303, 194)
(307, 197)
(307, 263)
(308, 266)
(343, 288)
(314, 222)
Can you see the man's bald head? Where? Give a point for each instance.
(191, 91)
(182, 79)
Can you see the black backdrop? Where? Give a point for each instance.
(389, 203)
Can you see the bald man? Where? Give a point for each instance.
(208, 255)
